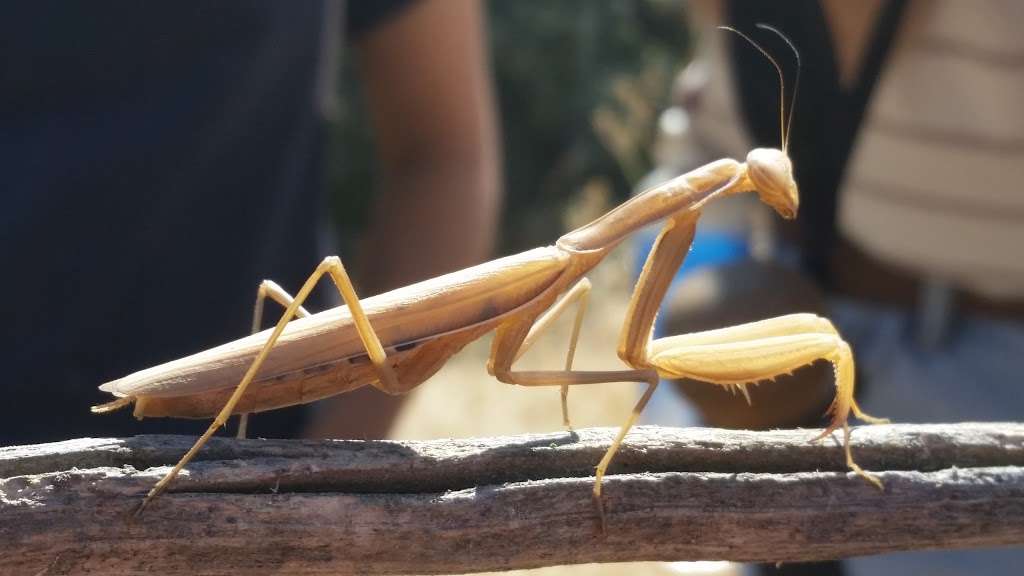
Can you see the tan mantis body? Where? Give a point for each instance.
(397, 340)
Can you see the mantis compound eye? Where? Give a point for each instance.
(771, 172)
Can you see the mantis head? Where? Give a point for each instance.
(771, 173)
(769, 170)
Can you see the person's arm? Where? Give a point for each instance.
(428, 90)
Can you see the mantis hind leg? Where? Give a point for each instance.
(745, 354)
(333, 267)
(272, 290)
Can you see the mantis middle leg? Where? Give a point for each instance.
(578, 293)
(669, 250)
(509, 343)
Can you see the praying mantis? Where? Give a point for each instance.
(396, 340)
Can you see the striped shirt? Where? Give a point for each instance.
(935, 184)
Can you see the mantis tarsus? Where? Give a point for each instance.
(397, 340)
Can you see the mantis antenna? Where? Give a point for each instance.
(796, 82)
(784, 122)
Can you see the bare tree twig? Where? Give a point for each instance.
(449, 506)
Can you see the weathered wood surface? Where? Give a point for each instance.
(449, 506)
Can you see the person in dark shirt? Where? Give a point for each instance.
(159, 160)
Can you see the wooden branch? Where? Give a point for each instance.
(449, 506)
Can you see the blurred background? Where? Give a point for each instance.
(161, 160)
(579, 87)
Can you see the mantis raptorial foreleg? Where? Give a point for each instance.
(331, 266)
(272, 290)
(749, 353)
(665, 258)
(794, 340)
(578, 293)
